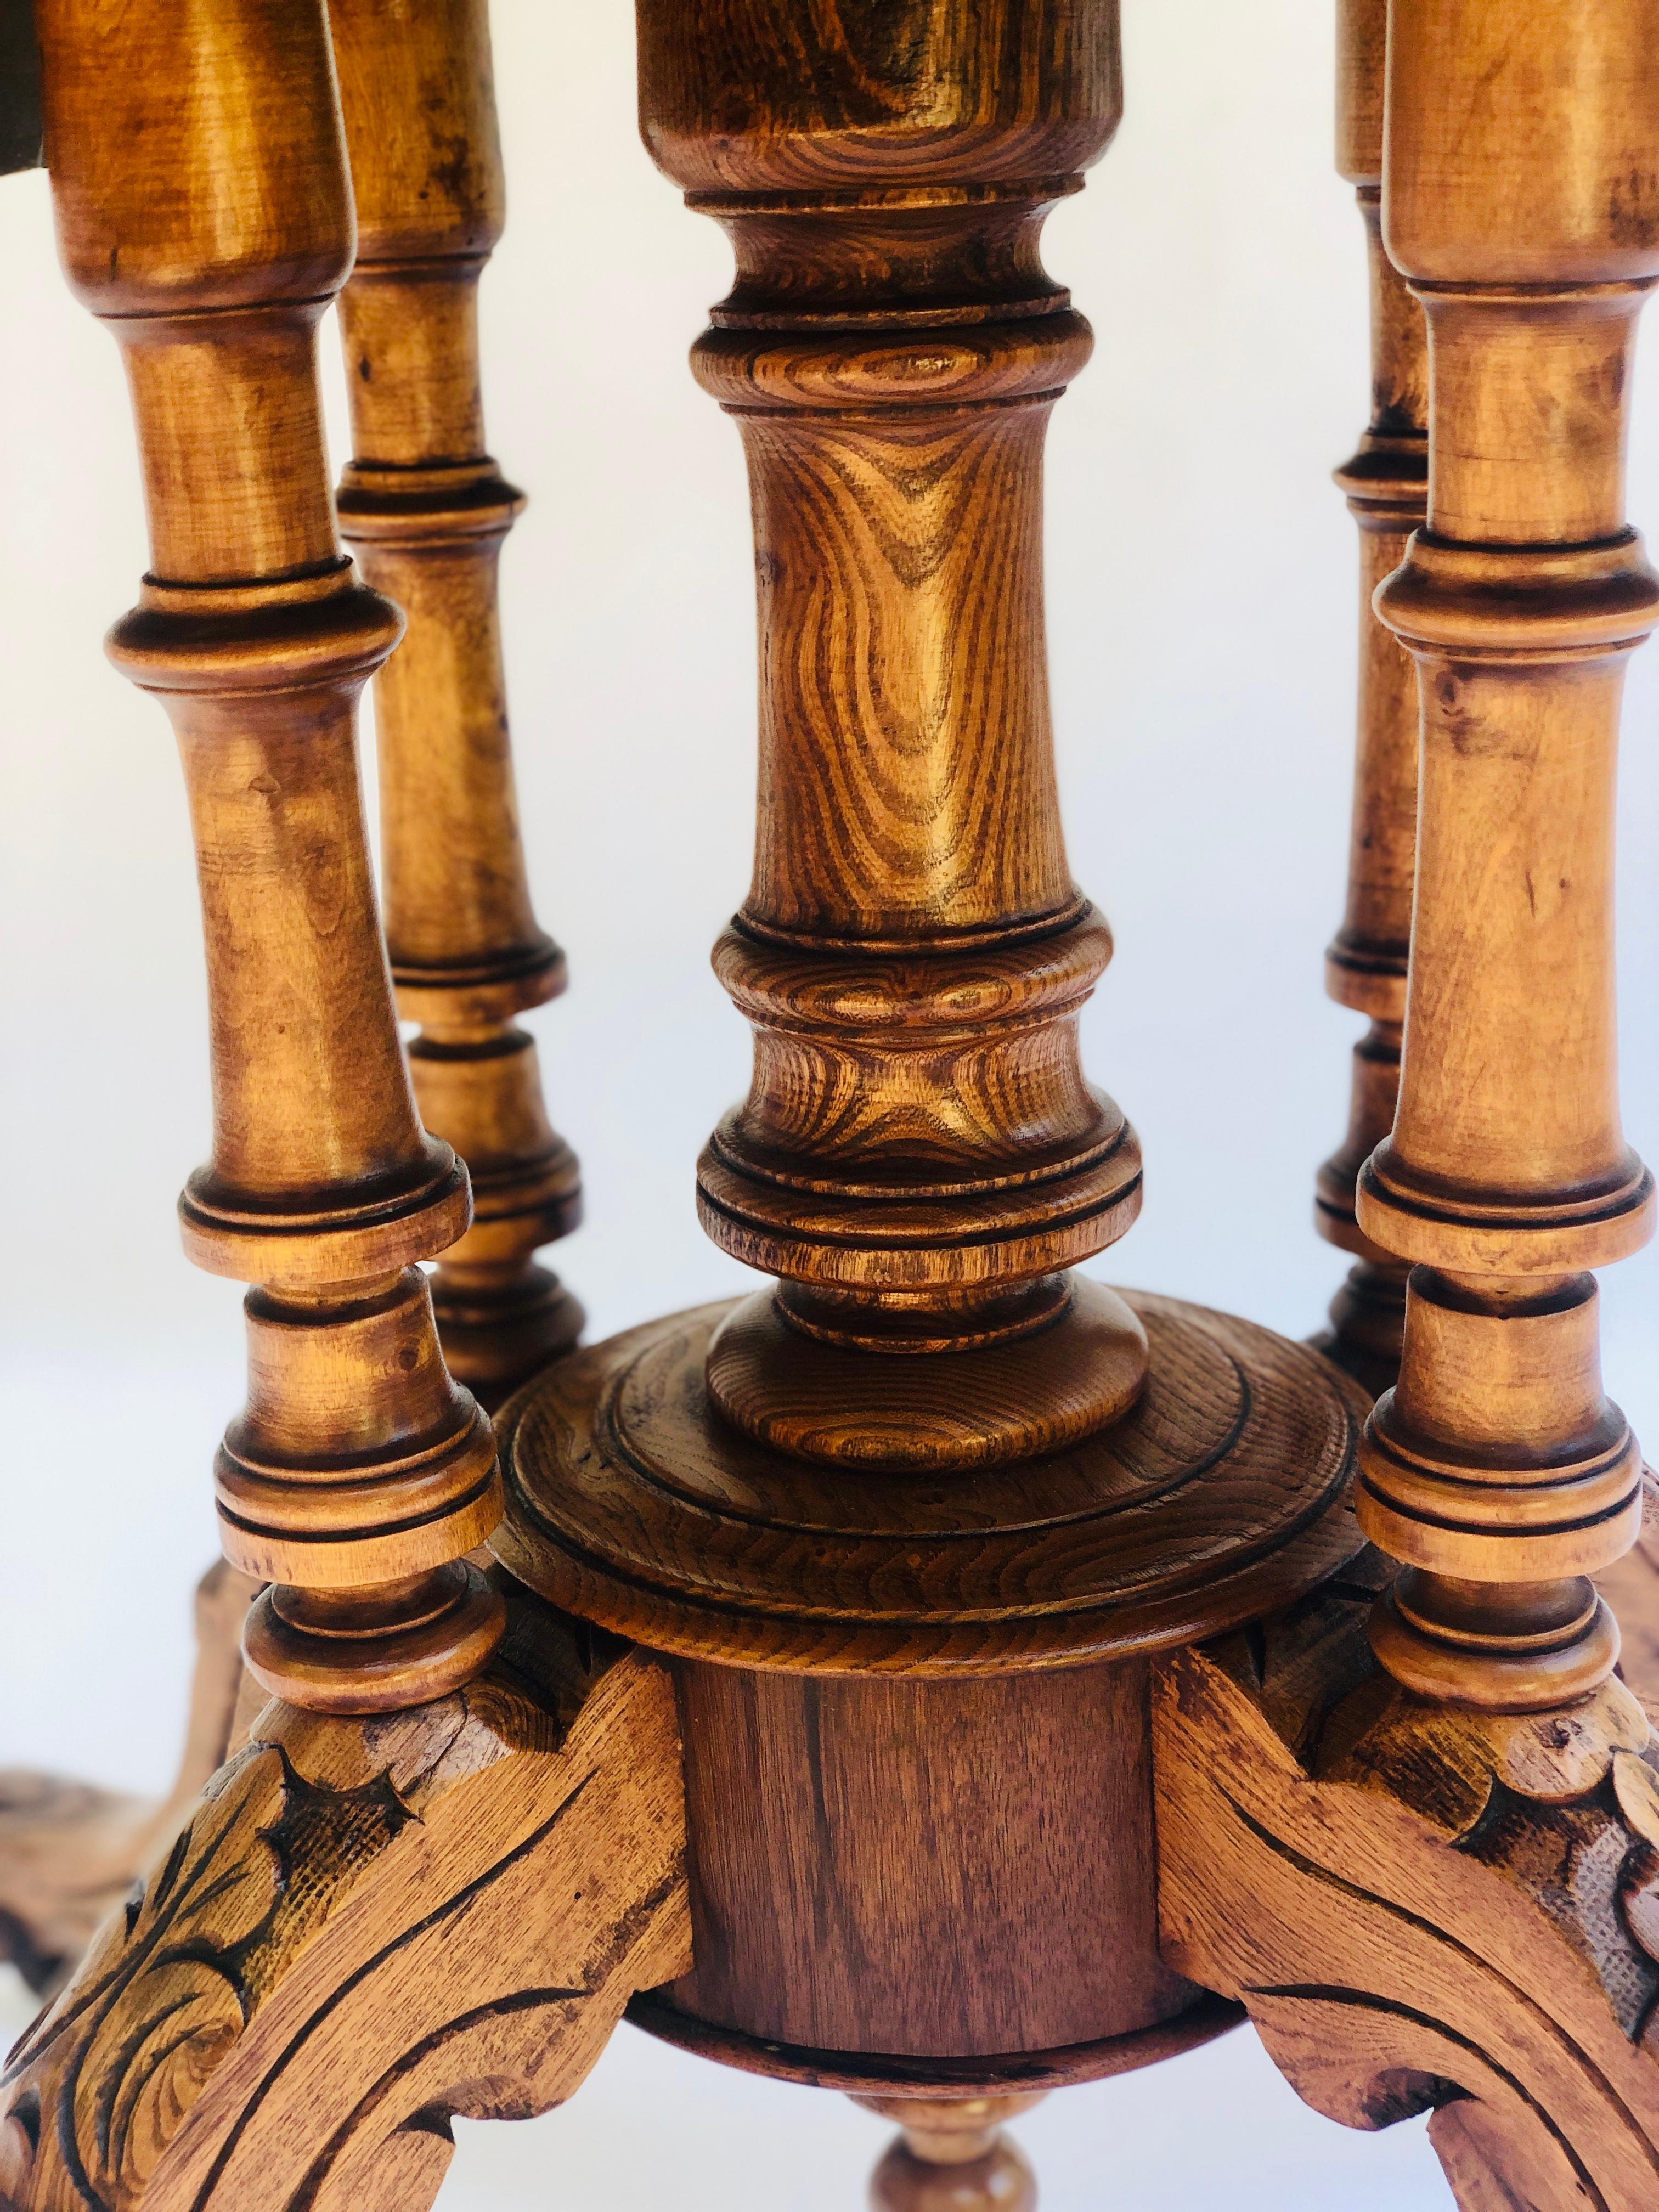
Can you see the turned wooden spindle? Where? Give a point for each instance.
(1519, 202)
(1386, 483)
(357, 1476)
(952, 2155)
(426, 509)
(912, 1524)
(920, 1158)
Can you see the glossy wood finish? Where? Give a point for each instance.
(1497, 1470)
(366, 1928)
(1016, 1631)
(845, 1829)
(1223, 1495)
(920, 1157)
(931, 1454)
(886, 2073)
(357, 1477)
(1424, 1908)
(426, 510)
(1387, 484)
(952, 2156)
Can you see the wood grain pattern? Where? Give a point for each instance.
(205, 212)
(1386, 483)
(69, 1853)
(1423, 1908)
(427, 510)
(1222, 1494)
(929, 1457)
(922, 1868)
(920, 1157)
(1497, 1470)
(368, 1927)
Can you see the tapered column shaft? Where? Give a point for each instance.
(1497, 1470)
(1386, 483)
(205, 212)
(427, 510)
(920, 1157)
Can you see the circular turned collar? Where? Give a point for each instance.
(1223, 1495)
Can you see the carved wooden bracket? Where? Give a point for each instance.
(69, 1852)
(1423, 1908)
(368, 1926)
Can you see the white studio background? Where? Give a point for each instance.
(1201, 607)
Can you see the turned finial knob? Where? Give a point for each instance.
(952, 2155)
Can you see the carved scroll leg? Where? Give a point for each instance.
(1439, 1910)
(69, 1853)
(369, 1926)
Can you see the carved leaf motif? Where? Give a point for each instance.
(171, 1982)
(1407, 1924)
(369, 1925)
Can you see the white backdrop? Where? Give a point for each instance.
(1201, 615)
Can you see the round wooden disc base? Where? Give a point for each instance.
(862, 2073)
(1221, 1495)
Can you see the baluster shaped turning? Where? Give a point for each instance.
(1518, 201)
(1387, 484)
(426, 510)
(920, 1159)
(204, 213)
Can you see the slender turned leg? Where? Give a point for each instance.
(426, 509)
(440, 1905)
(952, 2155)
(911, 1521)
(1386, 483)
(1442, 1888)
(358, 1477)
(1496, 1469)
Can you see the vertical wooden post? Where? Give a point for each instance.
(1386, 483)
(427, 510)
(358, 1476)
(1520, 202)
(919, 1159)
(913, 1522)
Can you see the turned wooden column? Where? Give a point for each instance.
(920, 1158)
(204, 213)
(1518, 201)
(1386, 483)
(427, 509)
(912, 1521)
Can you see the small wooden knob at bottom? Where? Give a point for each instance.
(952, 2155)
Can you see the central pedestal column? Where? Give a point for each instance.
(912, 1520)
